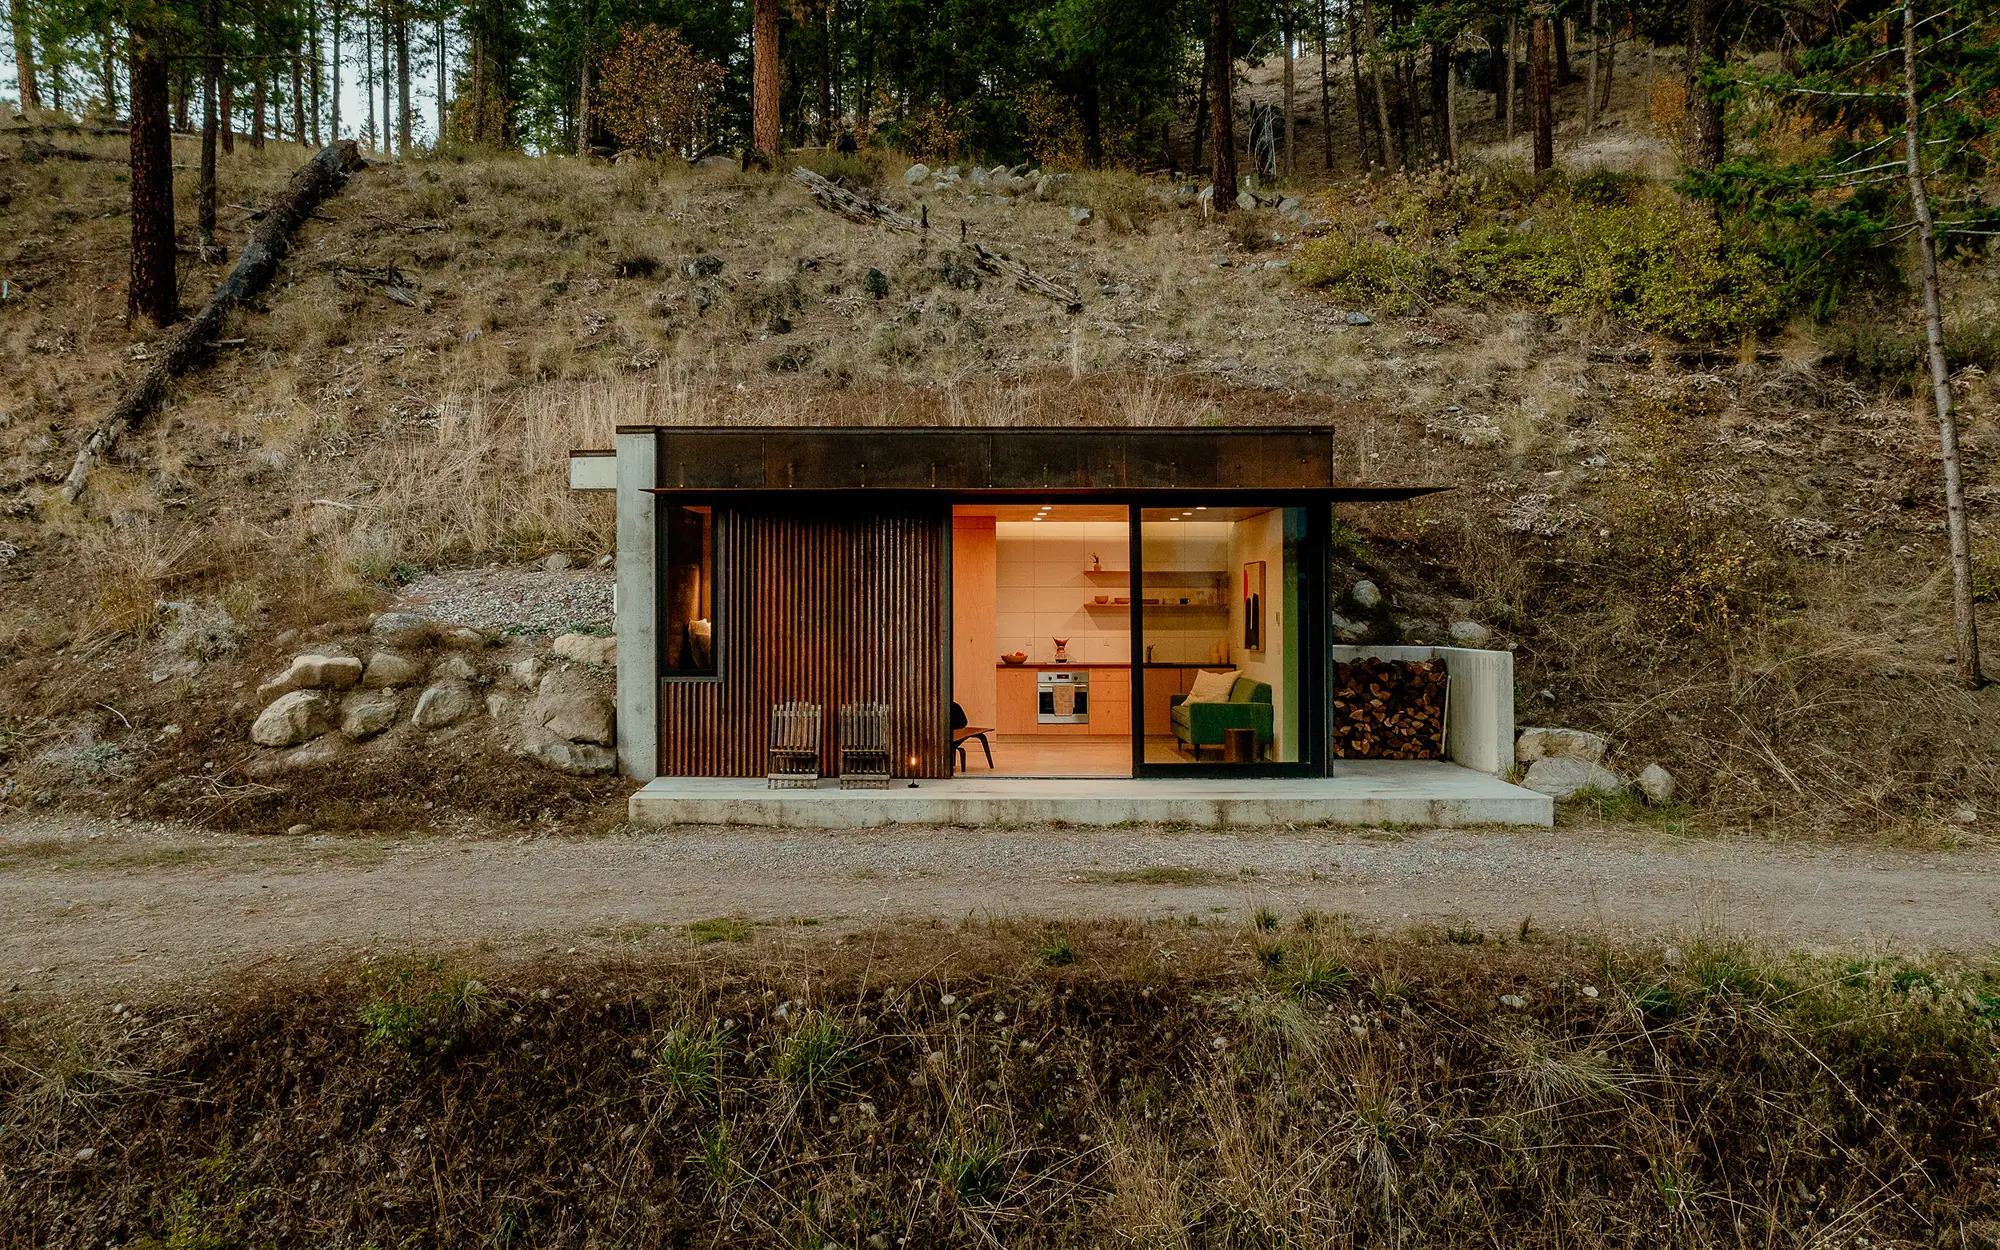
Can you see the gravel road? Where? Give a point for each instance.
(95, 906)
(504, 595)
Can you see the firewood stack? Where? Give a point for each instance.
(1388, 710)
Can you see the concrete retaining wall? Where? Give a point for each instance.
(1479, 700)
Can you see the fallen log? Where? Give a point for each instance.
(840, 200)
(314, 182)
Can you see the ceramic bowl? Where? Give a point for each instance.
(1019, 657)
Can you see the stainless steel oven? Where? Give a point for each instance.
(1062, 696)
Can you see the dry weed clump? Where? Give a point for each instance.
(1163, 1089)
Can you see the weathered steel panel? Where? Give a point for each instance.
(829, 609)
(1001, 460)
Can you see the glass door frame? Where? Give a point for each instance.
(1314, 555)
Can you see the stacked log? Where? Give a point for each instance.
(1388, 710)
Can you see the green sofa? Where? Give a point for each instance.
(1198, 725)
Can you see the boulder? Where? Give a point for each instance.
(1538, 743)
(573, 710)
(1562, 778)
(391, 668)
(453, 667)
(1468, 633)
(556, 563)
(1079, 214)
(1657, 784)
(403, 629)
(916, 174)
(365, 713)
(1360, 319)
(315, 754)
(446, 703)
(292, 719)
(579, 758)
(979, 177)
(526, 672)
(1345, 630)
(598, 649)
(1048, 186)
(461, 638)
(315, 670)
(1366, 595)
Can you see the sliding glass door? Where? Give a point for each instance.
(1226, 649)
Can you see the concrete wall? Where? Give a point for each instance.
(637, 609)
(1479, 700)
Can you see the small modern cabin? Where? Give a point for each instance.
(1060, 603)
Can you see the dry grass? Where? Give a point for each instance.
(952, 1089)
(350, 438)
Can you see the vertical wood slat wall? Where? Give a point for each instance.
(825, 609)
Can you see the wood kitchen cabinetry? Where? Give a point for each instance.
(1110, 697)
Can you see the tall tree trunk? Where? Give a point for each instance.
(1291, 154)
(1564, 74)
(826, 73)
(1611, 63)
(179, 94)
(1221, 116)
(1369, 154)
(1325, 97)
(1375, 72)
(257, 100)
(1451, 102)
(766, 71)
(444, 83)
(298, 92)
(1965, 622)
(1441, 98)
(211, 114)
(152, 292)
(583, 81)
(478, 87)
(333, 94)
(24, 60)
(1704, 138)
(1507, 86)
(1540, 70)
(368, 74)
(313, 51)
(1590, 90)
(388, 80)
(1090, 109)
(402, 82)
(1201, 113)
(110, 68)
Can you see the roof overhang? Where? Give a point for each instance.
(988, 463)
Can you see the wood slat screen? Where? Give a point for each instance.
(822, 608)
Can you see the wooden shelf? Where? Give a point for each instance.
(1157, 607)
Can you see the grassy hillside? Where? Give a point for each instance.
(1179, 1086)
(1708, 526)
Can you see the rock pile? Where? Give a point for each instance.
(423, 683)
(1563, 763)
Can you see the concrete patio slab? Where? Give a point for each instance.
(1361, 792)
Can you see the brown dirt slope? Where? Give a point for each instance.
(1732, 563)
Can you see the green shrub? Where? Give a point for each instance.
(1601, 248)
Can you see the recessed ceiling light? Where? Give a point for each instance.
(1201, 507)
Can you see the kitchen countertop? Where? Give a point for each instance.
(1101, 664)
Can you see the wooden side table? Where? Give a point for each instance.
(1239, 746)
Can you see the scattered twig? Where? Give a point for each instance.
(856, 208)
(389, 280)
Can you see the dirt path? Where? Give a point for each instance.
(88, 905)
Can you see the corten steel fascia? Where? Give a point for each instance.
(930, 461)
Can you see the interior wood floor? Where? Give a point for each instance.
(1070, 755)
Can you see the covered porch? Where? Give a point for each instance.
(1356, 792)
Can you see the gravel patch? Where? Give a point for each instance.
(512, 595)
